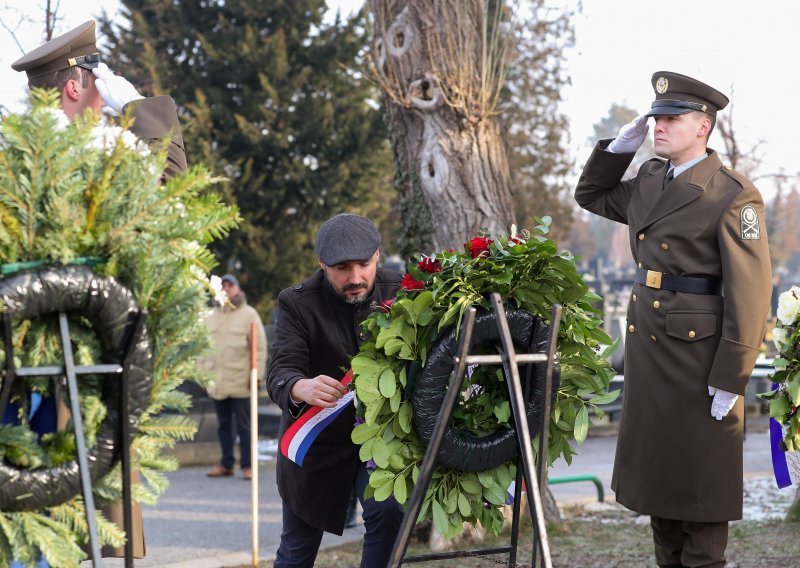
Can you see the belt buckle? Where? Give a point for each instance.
(653, 279)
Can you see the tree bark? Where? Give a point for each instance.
(440, 81)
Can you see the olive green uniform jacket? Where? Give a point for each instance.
(674, 460)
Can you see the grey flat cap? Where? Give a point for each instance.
(230, 278)
(346, 237)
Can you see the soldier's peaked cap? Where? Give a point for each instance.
(76, 47)
(679, 94)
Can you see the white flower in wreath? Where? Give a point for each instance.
(779, 338)
(106, 137)
(61, 120)
(220, 297)
(788, 306)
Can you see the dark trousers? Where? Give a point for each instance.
(228, 410)
(300, 541)
(684, 543)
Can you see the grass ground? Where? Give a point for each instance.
(607, 536)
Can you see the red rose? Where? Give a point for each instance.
(430, 264)
(478, 246)
(386, 304)
(409, 283)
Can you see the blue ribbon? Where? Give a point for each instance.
(779, 466)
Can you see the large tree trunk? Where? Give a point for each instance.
(441, 81)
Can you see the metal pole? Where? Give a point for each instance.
(254, 437)
(80, 440)
(429, 461)
(547, 388)
(523, 433)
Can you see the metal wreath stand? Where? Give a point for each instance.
(121, 325)
(534, 480)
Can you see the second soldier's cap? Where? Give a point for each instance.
(74, 48)
(679, 94)
(347, 237)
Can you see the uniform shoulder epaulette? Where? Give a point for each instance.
(733, 174)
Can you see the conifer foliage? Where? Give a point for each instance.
(84, 189)
(273, 99)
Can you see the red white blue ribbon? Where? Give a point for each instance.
(299, 437)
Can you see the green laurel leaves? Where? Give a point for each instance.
(529, 273)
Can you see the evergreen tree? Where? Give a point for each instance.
(272, 99)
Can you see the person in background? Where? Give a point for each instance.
(230, 326)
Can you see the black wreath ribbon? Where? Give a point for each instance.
(465, 451)
(112, 310)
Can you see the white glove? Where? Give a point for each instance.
(115, 90)
(630, 136)
(722, 403)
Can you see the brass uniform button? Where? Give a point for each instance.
(656, 304)
(632, 328)
(641, 265)
(634, 297)
(692, 334)
(664, 246)
(653, 337)
(641, 236)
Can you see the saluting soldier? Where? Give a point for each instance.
(695, 321)
(71, 64)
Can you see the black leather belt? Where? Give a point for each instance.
(691, 284)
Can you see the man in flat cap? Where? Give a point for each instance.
(695, 322)
(229, 326)
(318, 330)
(71, 65)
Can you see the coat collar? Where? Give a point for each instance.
(684, 189)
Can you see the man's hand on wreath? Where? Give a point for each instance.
(722, 403)
(322, 391)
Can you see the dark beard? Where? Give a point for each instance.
(352, 300)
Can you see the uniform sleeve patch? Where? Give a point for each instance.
(748, 220)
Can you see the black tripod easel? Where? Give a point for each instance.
(510, 361)
(71, 372)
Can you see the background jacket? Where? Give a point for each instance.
(674, 460)
(317, 333)
(229, 326)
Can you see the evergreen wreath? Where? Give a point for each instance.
(529, 273)
(73, 190)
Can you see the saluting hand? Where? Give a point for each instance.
(116, 91)
(322, 391)
(630, 136)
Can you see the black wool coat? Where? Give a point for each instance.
(317, 333)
